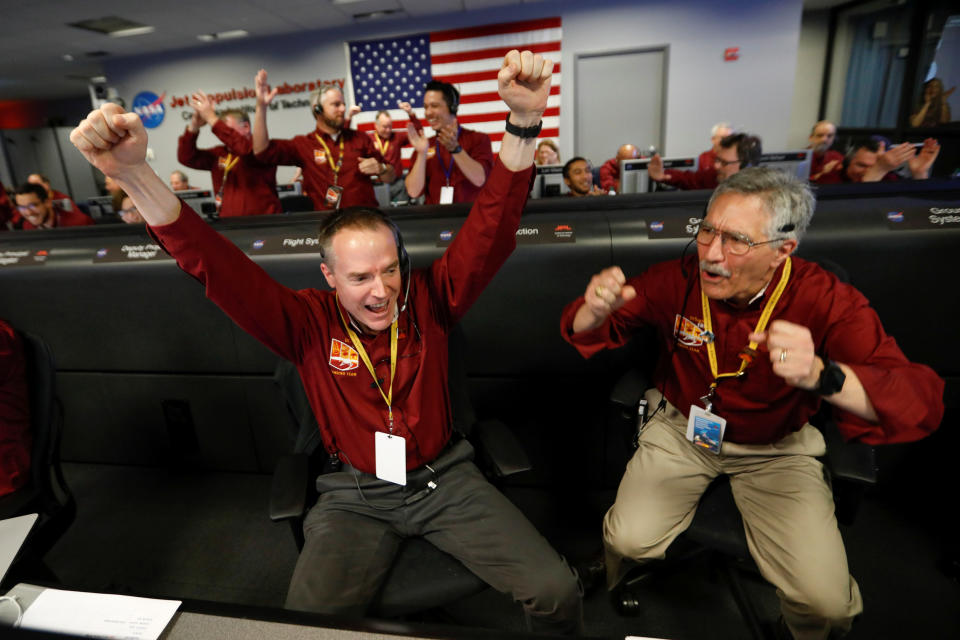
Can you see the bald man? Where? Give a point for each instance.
(610, 171)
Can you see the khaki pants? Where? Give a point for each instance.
(787, 509)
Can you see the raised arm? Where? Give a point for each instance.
(261, 138)
(187, 152)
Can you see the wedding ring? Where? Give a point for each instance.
(599, 292)
(783, 355)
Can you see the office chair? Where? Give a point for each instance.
(717, 527)
(422, 577)
(46, 493)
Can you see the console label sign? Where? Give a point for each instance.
(930, 218)
(130, 253)
(542, 233)
(23, 257)
(282, 245)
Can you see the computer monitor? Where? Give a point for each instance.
(635, 177)
(290, 189)
(100, 206)
(201, 200)
(796, 163)
(548, 182)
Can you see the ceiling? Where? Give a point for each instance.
(37, 36)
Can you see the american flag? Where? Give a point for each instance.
(386, 71)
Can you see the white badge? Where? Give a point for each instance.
(705, 429)
(391, 458)
(446, 195)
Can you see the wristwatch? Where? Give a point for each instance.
(831, 378)
(524, 132)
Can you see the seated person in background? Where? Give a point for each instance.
(610, 170)
(737, 152)
(243, 185)
(390, 144)
(548, 152)
(800, 337)
(824, 160)
(128, 211)
(935, 109)
(869, 161)
(337, 162)
(63, 200)
(6, 209)
(578, 175)
(15, 440)
(179, 181)
(455, 163)
(353, 532)
(37, 211)
(718, 132)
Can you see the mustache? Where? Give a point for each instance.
(715, 269)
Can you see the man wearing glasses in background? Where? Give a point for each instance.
(37, 211)
(752, 340)
(736, 152)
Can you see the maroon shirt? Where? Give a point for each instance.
(819, 162)
(699, 179)
(251, 187)
(705, 161)
(14, 413)
(610, 175)
(760, 408)
(390, 149)
(61, 218)
(477, 145)
(305, 327)
(308, 153)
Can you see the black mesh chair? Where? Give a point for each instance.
(46, 493)
(422, 577)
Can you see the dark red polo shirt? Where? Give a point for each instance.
(477, 145)
(251, 186)
(308, 153)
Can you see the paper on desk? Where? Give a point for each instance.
(99, 615)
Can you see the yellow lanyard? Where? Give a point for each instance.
(335, 169)
(381, 145)
(748, 354)
(388, 396)
(228, 164)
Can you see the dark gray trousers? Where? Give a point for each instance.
(352, 536)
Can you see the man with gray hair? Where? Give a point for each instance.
(752, 340)
(718, 132)
(337, 162)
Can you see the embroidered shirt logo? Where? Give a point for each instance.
(319, 156)
(343, 357)
(688, 332)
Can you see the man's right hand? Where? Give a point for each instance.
(606, 293)
(406, 107)
(262, 88)
(112, 140)
(655, 168)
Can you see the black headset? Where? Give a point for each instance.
(329, 226)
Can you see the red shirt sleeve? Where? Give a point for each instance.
(189, 156)
(610, 175)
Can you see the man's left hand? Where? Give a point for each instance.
(447, 135)
(791, 353)
(524, 84)
(920, 163)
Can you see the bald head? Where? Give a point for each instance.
(718, 132)
(628, 152)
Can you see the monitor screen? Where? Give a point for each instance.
(795, 163)
(634, 177)
(549, 181)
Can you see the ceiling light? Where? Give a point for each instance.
(132, 31)
(223, 35)
(113, 26)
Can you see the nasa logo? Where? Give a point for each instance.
(895, 216)
(446, 236)
(101, 253)
(656, 225)
(149, 107)
(258, 244)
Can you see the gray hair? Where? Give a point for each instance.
(787, 199)
(720, 125)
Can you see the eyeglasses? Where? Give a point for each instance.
(735, 243)
(725, 163)
(124, 212)
(35, 206)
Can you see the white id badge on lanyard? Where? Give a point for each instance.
(391, 458)
(705, 429)
(446, 195)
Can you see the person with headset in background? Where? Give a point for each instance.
(751, 340)
(372, 354)
(736, 152)
(869, 160)
(243, 186)
(337, 162)
(453, 165)
(62, 200)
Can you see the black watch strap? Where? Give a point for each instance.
(831, 378)
(524, 132)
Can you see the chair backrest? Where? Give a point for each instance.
(293, 204)
(44, 422)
